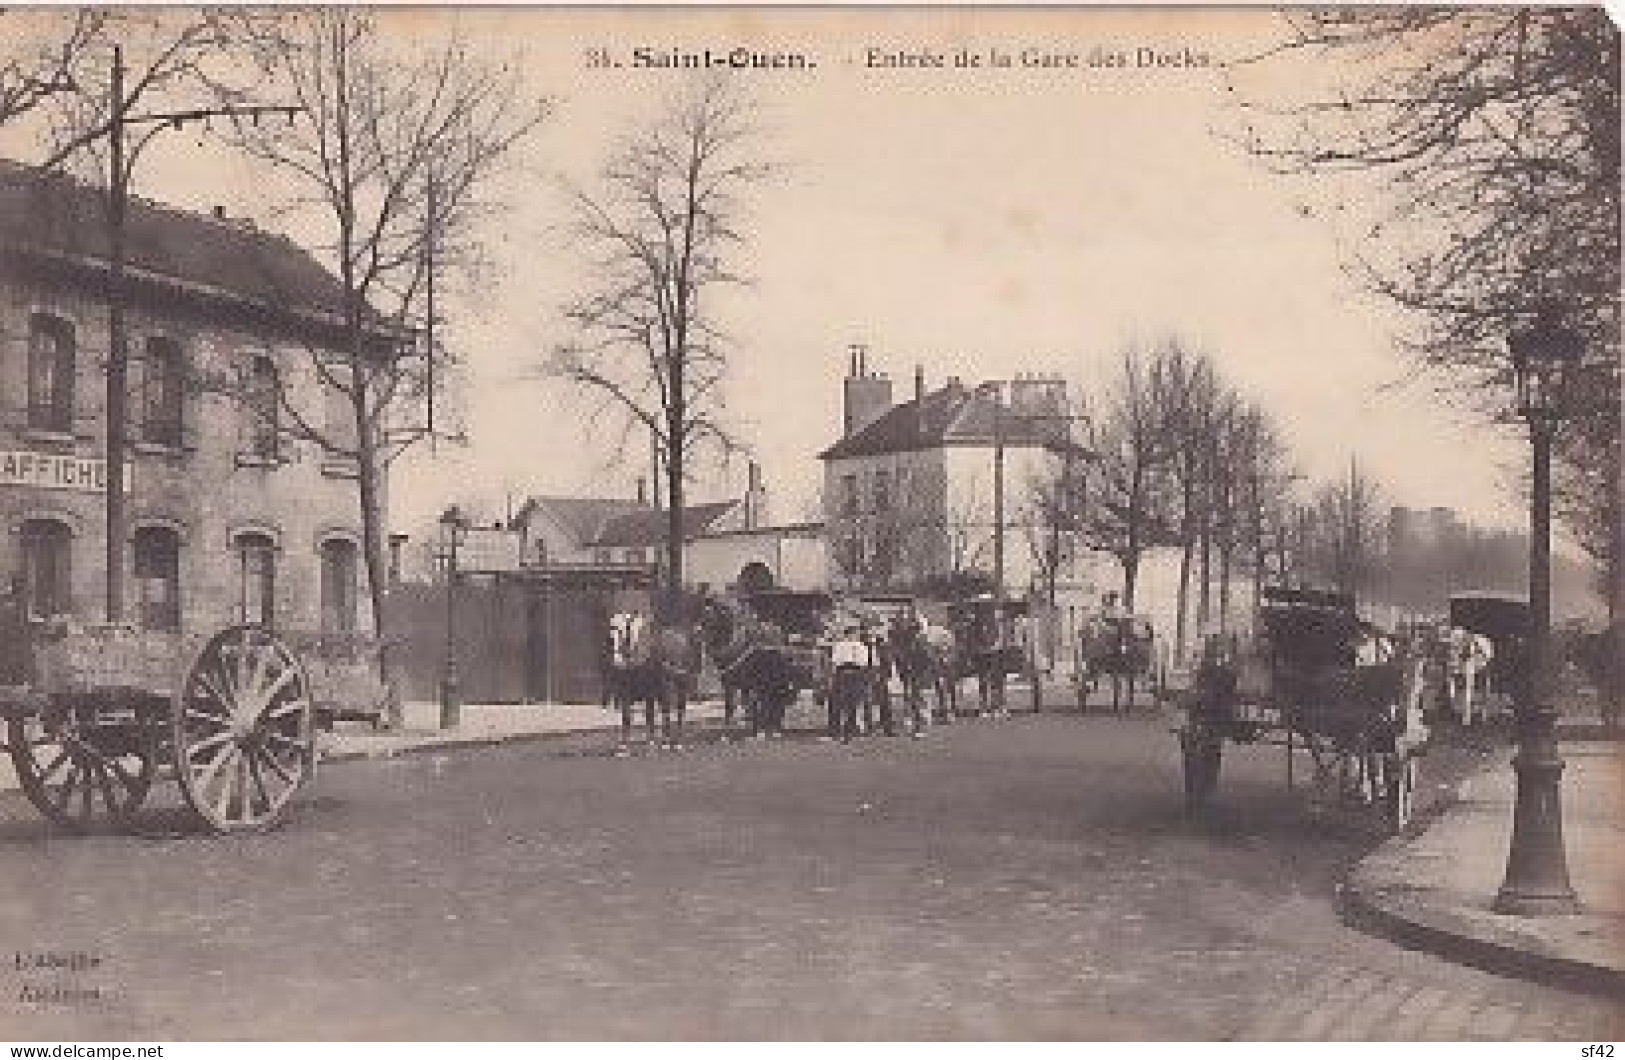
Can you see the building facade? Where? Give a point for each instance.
(909, 494)
(229, 519)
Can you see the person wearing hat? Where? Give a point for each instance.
(879, 673)
(849, 669)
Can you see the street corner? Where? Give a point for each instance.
(1434, 891)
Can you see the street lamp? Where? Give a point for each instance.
(452, 526)
(1537, 875)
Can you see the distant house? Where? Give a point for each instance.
(613, 532)
(909, 487)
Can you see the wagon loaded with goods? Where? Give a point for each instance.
(96, 716)
(1315, 678)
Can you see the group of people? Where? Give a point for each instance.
(874, 671)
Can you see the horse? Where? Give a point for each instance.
(629, 675)
(878, 692)
(921, 663)
(1117, 647)
(1470, 656)
(674, 662)
(751, 663)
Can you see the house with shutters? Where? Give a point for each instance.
(229, 518)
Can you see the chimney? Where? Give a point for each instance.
(755, 497)
(867, 395)
(919, 399)
(219, 212)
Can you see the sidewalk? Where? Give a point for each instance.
(1434, 890)
(483, 724)
(480, 724)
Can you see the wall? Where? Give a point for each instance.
(199, 490)
(797, 560)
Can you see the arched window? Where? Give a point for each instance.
(159, 392)
(157, 570)
(50, 373)
(47, 550)
(338, 586)
(256, 579)
(262, 405)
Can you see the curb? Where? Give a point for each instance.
(478, 742)
(1403, 915)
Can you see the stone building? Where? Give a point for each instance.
(909, 486)
(229, 519)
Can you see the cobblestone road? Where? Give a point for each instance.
(1028, 878)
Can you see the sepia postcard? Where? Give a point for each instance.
(810, 523)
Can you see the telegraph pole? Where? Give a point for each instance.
(118, 201)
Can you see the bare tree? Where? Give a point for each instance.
(1347, 527)
(394, 159)
(43, 55)
(1492, 135)
(660, 238)
(1126, 511)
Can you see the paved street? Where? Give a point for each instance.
(1028, 878)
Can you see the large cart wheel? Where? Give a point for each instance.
(243, 734)
(85, 761)
(1201, 749)
(1400, 797)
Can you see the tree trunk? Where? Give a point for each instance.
(372, 551)
(1130, 560)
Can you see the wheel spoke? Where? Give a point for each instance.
(290, 707)
(259, 781)
(45, 774)
(240, 687)
(208, 742)
(276, 767)
(287, 673)
(217, 690)
(298, 745)
(222, 804)
(211, 769)
(124, 777)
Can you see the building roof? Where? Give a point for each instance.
(952, 415)
(57, 218)
(583, 518)
(646, 527)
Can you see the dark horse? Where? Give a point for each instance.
(751, 661)
(921, 665)
(1115, 647)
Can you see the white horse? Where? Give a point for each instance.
(630, 676)
(1470, 657)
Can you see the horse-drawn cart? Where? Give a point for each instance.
(1118, 647)
(1312, 678)
(94, 716)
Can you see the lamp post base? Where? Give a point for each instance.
(1537, 874)
(451, 701)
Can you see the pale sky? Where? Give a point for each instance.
(977, 222)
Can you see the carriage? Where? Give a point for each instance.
(1115, 646)
(985, 627)
(96, 715)
(1504, 620)
(990, 646)
(800, 616)
(1302, 682)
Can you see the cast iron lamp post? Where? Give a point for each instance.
(452, 525)
(1537, 875)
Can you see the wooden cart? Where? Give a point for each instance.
(95, 716)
